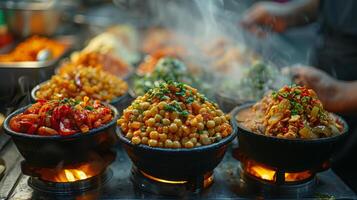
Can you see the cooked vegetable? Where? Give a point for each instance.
(80, 82)
(167, 69)
(174, 115)
(28, 49)
(255, 82)
(293, 112)
(61, 117)
(105, 61)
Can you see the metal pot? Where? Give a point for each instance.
(25, 18)
(292, 155)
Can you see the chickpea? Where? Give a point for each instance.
(203, 110)
(136, 133)
(184, 140)
(158, 118)
(144, 140)
(218, 136)
(178, 122)
(143, 134)
(144, 105)
(198, 144)
(135, 125)
(162, 137)
(205, 140)
(193, 140)
(154, 135)
(135, 112)
(160, 144)
(149, 129)
(165, 129)
(217, 120)
(136, 140)
(211, 132)
(162, 112)
(162, 105)
(185, 129)
(176, 144)
(200, 126)
(217, 128)
(168, 143)
(194, 122)
(150, 122)
(189, 144)
(165, 121)
(210, 124)
(219, 112)
(173, 128)
(173, 116)
(152, 143)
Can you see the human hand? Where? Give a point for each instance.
(266, 15)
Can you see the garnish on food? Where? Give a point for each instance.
(174, 115)
(62, 117)
(293, 112)
(167, 69)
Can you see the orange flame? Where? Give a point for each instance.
(269, 174)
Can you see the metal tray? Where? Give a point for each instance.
(17, 78)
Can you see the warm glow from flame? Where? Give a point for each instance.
(261, 172)
(269, 174)
(162, 180)
(74, 175)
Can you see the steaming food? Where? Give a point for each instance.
(28, 49)
(149, 63)
(83, 81)
(106, 61)
(257, 80)
(62, 117)
(166, 69)
(174, 115)
(291, 112)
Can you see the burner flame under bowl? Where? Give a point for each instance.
(50, 151)
(176, 164)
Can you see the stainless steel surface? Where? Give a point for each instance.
(34, 17)
(227, 183)
(18, 78)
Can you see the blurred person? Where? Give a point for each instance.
(334, 57)
(335, 49)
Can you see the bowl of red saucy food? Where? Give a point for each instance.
(67, 131)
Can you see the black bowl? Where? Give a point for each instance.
(120, 103)
(292, 155)
(176, 164)
(49, 151)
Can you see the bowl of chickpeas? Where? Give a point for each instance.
(175, 133)
(84, 81)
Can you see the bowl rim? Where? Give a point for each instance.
(237, 109)
(215, 145)
(113, 101)
(12, 133)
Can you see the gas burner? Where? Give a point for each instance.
(70, 179)
(265, 188)
(149, 183)
(70, 188)
(266, 181)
